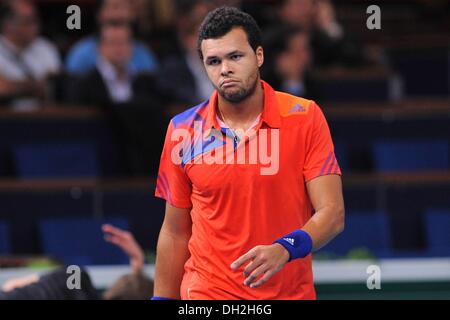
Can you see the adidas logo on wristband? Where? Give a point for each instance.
(291, 241)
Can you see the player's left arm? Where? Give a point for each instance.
(325, 193)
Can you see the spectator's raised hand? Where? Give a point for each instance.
(326, 19)
(125, 241)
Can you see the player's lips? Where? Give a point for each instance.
(228, 83)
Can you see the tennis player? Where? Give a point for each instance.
(250, 178)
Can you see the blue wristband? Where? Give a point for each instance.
(297, 243)
(161, 298)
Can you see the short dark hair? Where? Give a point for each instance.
(6, 12)
(133, 286)
(220, 21)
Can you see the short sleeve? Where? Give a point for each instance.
(172, 184)
(320, 159)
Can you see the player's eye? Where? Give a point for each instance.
(236, 57)
(213, 62)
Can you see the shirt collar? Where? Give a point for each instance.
(270, 115)
(107, 69)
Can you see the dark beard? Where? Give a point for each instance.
(240, 95)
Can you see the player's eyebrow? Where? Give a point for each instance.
(209, 58)
(232, 53)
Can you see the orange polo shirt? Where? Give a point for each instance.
(240, 198)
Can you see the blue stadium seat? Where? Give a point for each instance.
(80, 241)
(437, 223)
(56, 160)
(411, 155)
(5, 245)
(369, 230)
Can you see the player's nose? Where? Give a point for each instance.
(226, 69)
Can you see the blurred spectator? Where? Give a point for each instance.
(193, 10)
(111, 80)
(130, 100)
(156, 20)
(53, 286)
(135, 285)
(288, 58)
(142, 10)
(183, 74)
(188, 13)
(82, 57)
(330, 43)
(50, 286)
(26, 60)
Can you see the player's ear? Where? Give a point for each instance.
(260, 56)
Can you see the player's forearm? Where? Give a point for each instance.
(325, 224)
(172, 254)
